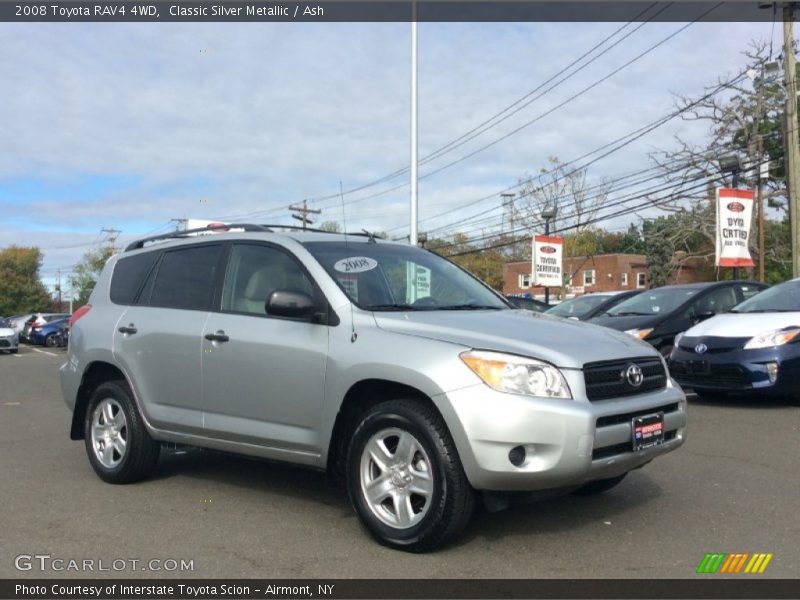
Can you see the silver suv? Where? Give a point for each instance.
(390, 367)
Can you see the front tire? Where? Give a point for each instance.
(120, 449)
(51, 341)
(405, 478)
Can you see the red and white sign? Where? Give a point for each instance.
(547, 268)
(734, 214)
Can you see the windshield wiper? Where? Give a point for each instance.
(466, 307)
(765, 310)
(629, 314)
(392, 307)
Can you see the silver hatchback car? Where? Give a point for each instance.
(407, 379)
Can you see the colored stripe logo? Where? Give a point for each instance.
(737, 562)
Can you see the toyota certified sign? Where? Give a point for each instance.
(734, 212)
(547, 269)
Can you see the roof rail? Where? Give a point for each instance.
(271, 227)
(186, 232)
(221, 228)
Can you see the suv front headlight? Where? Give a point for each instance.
(776, 337)
(516, 374)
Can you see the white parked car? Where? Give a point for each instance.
(9, 340)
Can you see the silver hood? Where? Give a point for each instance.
(563, 342)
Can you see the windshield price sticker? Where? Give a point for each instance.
(355, 264)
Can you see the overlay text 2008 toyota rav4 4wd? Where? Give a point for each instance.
(390, 367)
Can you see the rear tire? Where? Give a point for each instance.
(120, 449)
(405, 479)
(599, 486)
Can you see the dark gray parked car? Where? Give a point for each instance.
(385, 364)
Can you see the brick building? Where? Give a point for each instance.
(602, 273)
(599, 273)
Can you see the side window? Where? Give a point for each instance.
(254, 272)
(185, 278)
(129, 273)
(748, 291)
(719, 301)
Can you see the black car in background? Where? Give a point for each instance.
(591, 305)
(658, 315)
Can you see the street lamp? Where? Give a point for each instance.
(731, 164)
(549, 213)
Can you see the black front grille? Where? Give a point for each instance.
(701, 374)
(628, 417)
(626, 446)
(5, 344)
(607, 379)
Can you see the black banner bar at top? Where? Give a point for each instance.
(389, 11)
(744, 588)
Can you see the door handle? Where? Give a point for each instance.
(130, 329)
(217, 337)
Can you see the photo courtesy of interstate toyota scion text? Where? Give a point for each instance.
(413, 384)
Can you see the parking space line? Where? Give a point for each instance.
(44, 352)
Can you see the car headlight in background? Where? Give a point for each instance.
(639, 333)
(517, 375)
(776, 337)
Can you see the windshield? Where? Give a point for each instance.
(653, 302)
(395, 277)
(578, 306)
(4, 323)
(780, 298)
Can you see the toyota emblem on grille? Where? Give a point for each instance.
(700, 348)
(634, 375)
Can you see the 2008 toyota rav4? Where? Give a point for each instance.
(383, 363)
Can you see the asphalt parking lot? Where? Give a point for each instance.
(733, 487)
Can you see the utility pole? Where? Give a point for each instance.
(304, 212)
(508, 211)
(792, 139)
(58, 289)
(760, 201)
(412, 236)
(112, 237)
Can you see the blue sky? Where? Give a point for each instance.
(131, 125)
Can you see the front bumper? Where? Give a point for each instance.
(738, 371)
(567, 442)
(9, 343)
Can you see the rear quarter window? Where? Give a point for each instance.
(129, 273)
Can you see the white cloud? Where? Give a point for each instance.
(211, 120)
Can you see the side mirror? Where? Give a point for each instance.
(286, 303)
(702, 316)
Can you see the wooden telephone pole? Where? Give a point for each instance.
(792, 140)
(304, 212)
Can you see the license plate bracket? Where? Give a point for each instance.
(648, 431)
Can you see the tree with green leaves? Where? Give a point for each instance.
(86, 273)
(21, 290)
